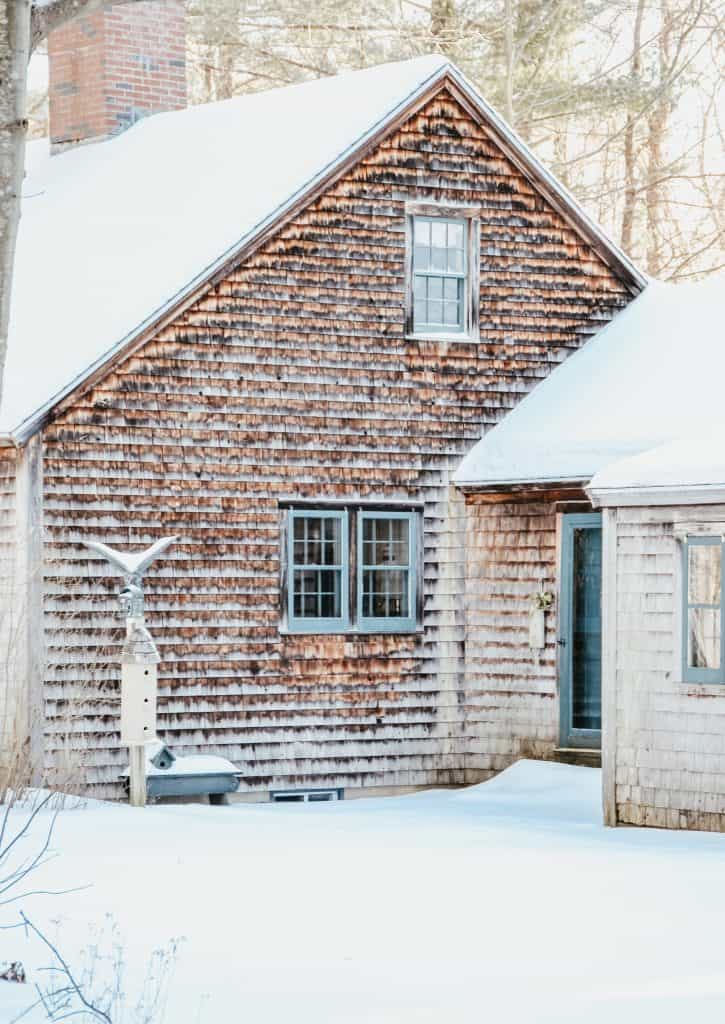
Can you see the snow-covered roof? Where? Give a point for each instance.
(652, 376)
(114, 235)
(689, 469)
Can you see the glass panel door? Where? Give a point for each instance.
(580, 663)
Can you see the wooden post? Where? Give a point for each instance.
(137, 778)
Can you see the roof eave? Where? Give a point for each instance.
(518, 484)
(641, 495)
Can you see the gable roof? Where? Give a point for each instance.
(652, 376)
(115, 236)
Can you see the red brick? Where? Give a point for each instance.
(114, 65)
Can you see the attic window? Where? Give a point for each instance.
(442, 278)
(439, 274)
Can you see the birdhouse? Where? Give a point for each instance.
(163, 758)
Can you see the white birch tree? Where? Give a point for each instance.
(24, 24)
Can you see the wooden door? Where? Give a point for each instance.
(580, 631)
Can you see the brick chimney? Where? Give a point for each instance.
(113, 67)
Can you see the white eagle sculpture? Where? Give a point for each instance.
(139, 648)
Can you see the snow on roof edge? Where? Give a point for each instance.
(480, 481)
(32, 423)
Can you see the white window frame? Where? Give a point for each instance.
(468, 327)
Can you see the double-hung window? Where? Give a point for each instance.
(443, 258)
(440, 271)
(318, 570)
(703, 610)
(352, 570)
(386, 571)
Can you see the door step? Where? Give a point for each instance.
(577, 755)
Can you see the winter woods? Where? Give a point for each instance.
(619, 98)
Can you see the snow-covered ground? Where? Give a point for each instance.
(508, 901)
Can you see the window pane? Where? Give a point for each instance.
(451, 314)
(704, 573)
(704, 638)
(420, 289)
(450, 288)
(420, 313)
(438, 233)
(455, 261)
(422, 232)
(385, 542)
(438, 259)
(313, 546)
(399, 546)
(317, 593)
(318, 541)
(435, 313)
(455, 235)
(421, 257)
(385, 593)
(435, 287)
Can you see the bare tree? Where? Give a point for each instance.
(598, 87)
(630, 184)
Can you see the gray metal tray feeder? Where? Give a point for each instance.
(202, 775)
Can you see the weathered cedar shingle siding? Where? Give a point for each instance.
(670, 735)
(511, 691)
(9, 597)
(293, 377)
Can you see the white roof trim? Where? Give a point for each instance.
(520, 153)
(629, 497)
(475, 487)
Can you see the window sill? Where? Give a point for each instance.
(352, 633)
(435, 336)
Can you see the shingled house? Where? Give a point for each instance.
(273, 326)
(612, 473)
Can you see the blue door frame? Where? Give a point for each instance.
(580, 631)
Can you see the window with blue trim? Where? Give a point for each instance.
(703, 610)
(440, 275)
(318, 571)
(386, 570)
(351, 570)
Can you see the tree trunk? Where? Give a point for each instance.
(630, 156)
(657, 124)
(14, 56)
(443, 24)
(510, 60)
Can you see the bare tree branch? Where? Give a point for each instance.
(51, 14)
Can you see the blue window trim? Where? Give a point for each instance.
(701, 675)
(401, 624)
(461, 327)
(306, 624)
